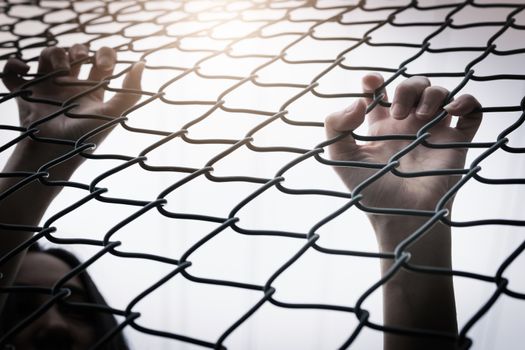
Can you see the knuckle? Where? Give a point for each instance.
(468, 97)
(79, 48)
(435, 92)
(469, 100)
(56, 52)
(439, 90)
(420, 79)
(330, 118)
(412, 88)
(405, 88)
(47, 51)
(105, 50)
(106, 53)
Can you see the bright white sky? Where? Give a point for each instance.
(206, 311)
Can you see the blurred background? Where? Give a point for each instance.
(195, 51)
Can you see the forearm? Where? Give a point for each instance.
(34, 197)
(412, 299)
(27, 205)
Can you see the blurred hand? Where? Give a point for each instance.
(27, 205)
(415, 103)
(55, 58)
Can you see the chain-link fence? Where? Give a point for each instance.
(245, 39)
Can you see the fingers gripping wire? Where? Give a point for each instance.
(279, 31)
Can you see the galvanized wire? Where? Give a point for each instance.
(122, 15)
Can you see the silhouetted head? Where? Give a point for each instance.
(63, 326)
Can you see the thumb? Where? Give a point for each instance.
(343, 121)
(370, 83)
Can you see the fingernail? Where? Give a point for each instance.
(397, 110)
(59, 62)
(139, 66)
(451, 105)
(83, 52)
(424, 109)
(368, 87)
(372, 87)
(104, 63)
(61, 65)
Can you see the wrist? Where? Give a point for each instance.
(34, 197)
(391, 230)
(30, 155)
(432, 248)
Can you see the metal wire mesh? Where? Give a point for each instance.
(60, 20)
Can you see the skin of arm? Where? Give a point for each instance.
(27, 205)
(410, 299)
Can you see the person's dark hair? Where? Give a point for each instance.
(102, 322)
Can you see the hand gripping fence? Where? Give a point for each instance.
(320, 12)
